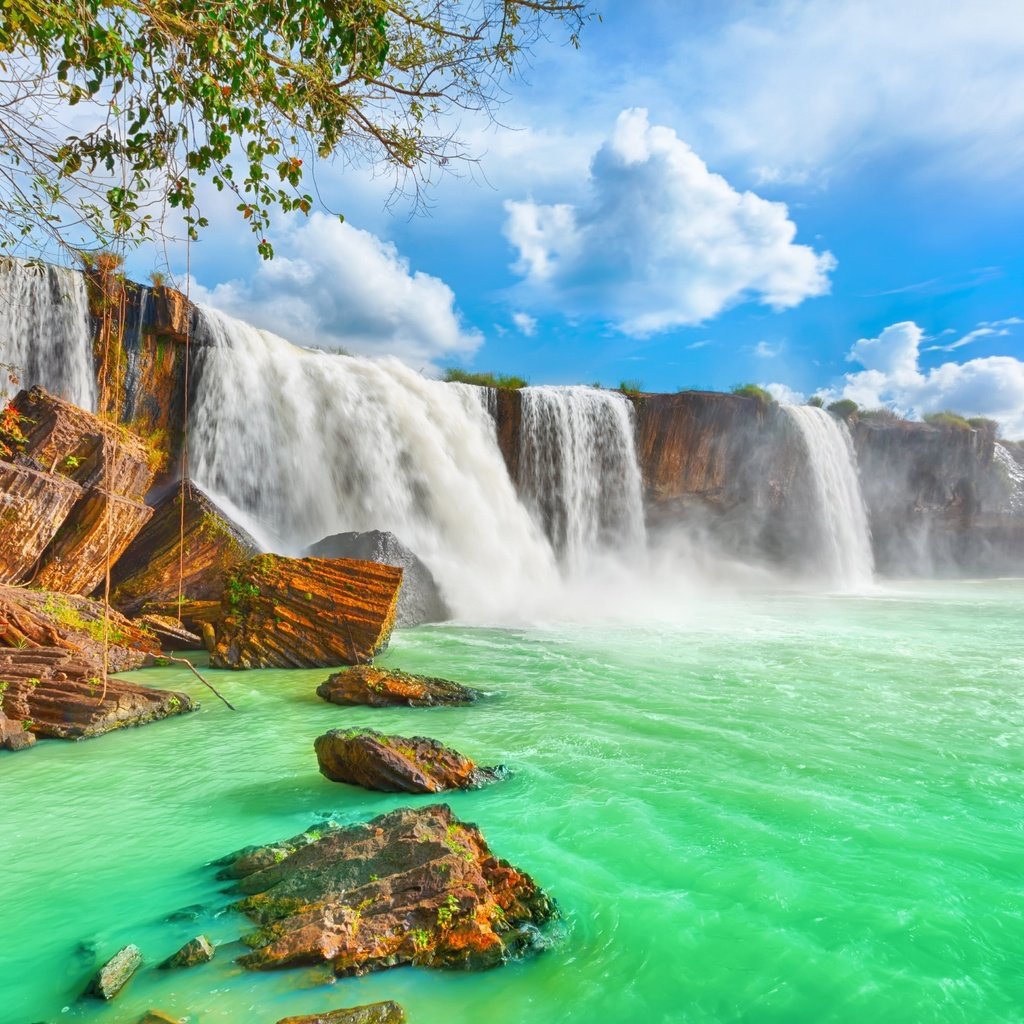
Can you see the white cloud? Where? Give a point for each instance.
(802, 87)
(659, 241)
(892, 375)
(331, 284)
(765, 350)
(525, 324)
(994, 328)
(784, 394)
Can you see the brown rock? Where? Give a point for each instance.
(416, 886)
(396, 764)
(35, 618)
(209, 636)
(149, 569)
(197, 951)
(170, 633)
(115, 973)
(158, 1017)
(13, 734)
(371, 1013)
(305, 612)
(60, 695)
(32, 507)
(379, 688)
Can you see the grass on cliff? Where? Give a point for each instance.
(946, 418)
(453, 375)
(756, 393)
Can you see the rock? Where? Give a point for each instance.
(59, 695)
(380, 688)
(13, 734)
(371, 1013)
(415, 886)
(170, 633)
(35, 618)
(198, 951)
(209, 637)
(149, 568)
(115, 973)
(420, 599)
(190, 913)
(158, 1017)
(305, 613)
(396, 764)
(32, 507)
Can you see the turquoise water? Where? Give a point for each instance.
(780, 808)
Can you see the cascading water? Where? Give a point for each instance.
(46, 329)
(841, 517)
(578, 471)
(1013, 474)
(301, 444)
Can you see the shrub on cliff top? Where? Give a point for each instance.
(845, 408)
(631, 387)
(816, 402)
(984, 423)
(453, 375)
(952, 420)
(882, 414)
(755, 392)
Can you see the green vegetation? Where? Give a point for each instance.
(950, 420)
(985, 424)
(845, 408)
(631, 387)
(882, 414)
(240, 593)
(241, 94)
(60, 609)
(453, 375)
(12, 437)
(420, 939)
(755, 392)
(446, 912)
(816, 401)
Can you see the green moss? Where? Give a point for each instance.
(58, 608)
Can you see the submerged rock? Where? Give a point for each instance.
(420, 599)
(415, 886)
(197, 951)
(305, 613)
(371, 1013)
(60, 695)
(380, 688)
(396, 764)
(115, 973)
(13, 734)
(158, 1017)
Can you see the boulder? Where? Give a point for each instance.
(35, 618)
(197, 951)
(371, 1013)
(115, 973)
(382, 688)
(305, 613)
(13, 734)
(396, 764)
(60, 695)
(149, 569)
(158, 1017)
(420, 599)
(33, 505)
(415, 886)
(170, 633)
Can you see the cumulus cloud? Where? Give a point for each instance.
(525, 324)
(331, 284)
(659, 241)
(892, 375)
(784, 394)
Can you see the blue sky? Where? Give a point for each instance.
(813, 196)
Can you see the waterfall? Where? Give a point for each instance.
(1013, 474)
(133, 335)
(578, 471)
(845, 556)
(301, 444)
(46, 329)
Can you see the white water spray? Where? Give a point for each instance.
(578, 471)
(46, 329)
(1013, 472)
(845, 552)
(308, 444)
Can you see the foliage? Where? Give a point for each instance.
(453, 375)
(985, 424)
(816, 402)
(60, 609)
(950, 420)
(845, 408)
(12, 437)
(883, 414)
(244, 93)
(755, 392)
(446, 912)
(631, 387)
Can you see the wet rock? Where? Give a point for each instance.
(148, 570)
(190, 913)
(396, 764)
(158, 1017)
(415, 886)
(170, 633)
(209, 637)
(420, 599)
(13, 734)
(379, 688)
(197, 951)
(35, 618)
(60, 695)
(371, 1013)
(305, 613)
(115, 973)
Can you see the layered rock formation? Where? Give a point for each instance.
(60, 695)
(420, 599)
(305, 613)
(371, 686)
(115, 973)
(410, 887)
(149, 570)
(396, 764)
(372, 1013)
